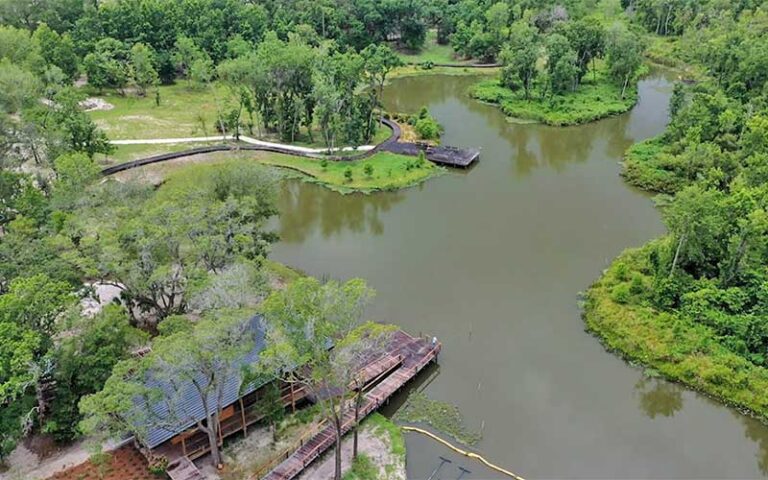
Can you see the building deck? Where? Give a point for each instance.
(409, 354)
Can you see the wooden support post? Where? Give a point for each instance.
(218, 421)
(242, 416)
(293, 400)
(184, 443)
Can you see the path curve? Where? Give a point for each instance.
(255, 145)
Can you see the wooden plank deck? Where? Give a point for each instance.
(413, 354)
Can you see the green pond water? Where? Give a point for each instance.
(491, 262)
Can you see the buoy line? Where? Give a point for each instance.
(471, 455)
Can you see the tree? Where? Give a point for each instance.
(186, 53)
(587, 38)
(301, 323)
(270, 407)
(520, 57)
(108, 64)
(77, 131)
(83, 362)
(18, 88)
(143, 68)
(200, 362)
(28, 315)
(57, 50)
(160, 255)
(380, 60)
(74, 172)
(624, 51)
(562, 71)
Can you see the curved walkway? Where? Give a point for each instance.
(253, 145)
(242, 138)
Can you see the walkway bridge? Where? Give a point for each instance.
(408, 355)
(441, 155)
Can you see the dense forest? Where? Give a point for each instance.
(697, 297)
(698, 294)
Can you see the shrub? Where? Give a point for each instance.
(621, 271)
(324, 163)
(348, 174)
(427, 128)
(620, 293)
(158, 464)
(636, 287)
(368, 169)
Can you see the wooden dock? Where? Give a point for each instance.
(405, 358)
(447, 156)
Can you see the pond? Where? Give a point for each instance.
(491, 262)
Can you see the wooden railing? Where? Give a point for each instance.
(281, 456)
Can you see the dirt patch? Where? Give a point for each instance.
(93, 104)
(101, 295)
(125, 463)
(377, 447)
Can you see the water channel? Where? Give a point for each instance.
(491, 262)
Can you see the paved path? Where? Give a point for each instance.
(243, 138)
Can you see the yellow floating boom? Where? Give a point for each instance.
(471, 455)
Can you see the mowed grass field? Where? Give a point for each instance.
(183, 112)
(432, 52)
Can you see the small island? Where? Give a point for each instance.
(577, 74)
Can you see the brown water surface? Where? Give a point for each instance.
(491, 262)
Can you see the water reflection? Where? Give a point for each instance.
(659, 397)
(305, 209)
(527, 146)
(501, 251)
(756, 431)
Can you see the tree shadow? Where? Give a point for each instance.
(306, 208)
(659, 397)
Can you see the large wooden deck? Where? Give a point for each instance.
(405, 358)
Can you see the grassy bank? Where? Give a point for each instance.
(432, 52)
(618, 312)
(382, 171)
(648, 166)
(417, 71)
(597, 97)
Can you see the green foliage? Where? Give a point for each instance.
(443, 416)
(596, 97)
(213, 351)
(348, 175)
(163, 256)
(18, 87)
(426, 127)
(702, 345)
(143, 67)
(363, 468)
(83, 364)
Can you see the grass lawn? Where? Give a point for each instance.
(597, 97)
(416, 70)
(432, 52)
(669, 344)
(183, 112)
(390, 171)
(127, 153)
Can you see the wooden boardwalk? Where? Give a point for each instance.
(409, 355)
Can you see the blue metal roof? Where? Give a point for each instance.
(187, 404)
